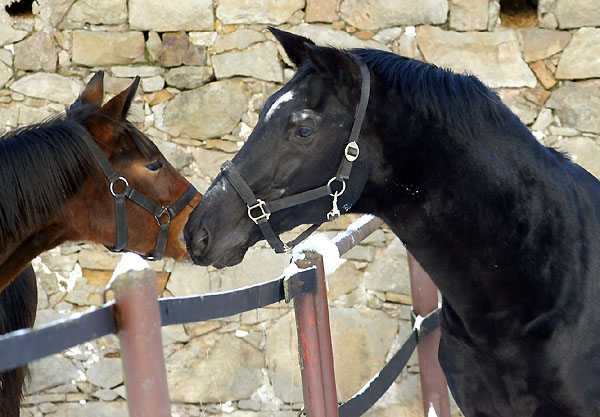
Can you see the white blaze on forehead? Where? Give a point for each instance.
(285, 97)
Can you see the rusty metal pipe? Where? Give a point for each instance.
(308, 345)
(356, 232)
(324, 332)
(433, 382)
(139, 323)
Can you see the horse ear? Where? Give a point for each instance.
(334, 63)
(118, 106)
(294, 45)
(93, 93)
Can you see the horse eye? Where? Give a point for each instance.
(154, 165)
(304, 132)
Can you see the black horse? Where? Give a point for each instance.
(508, 229)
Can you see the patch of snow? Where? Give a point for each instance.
(418, 321)
(245, 130)
(410, 31)
(323, 246)
(360, 222)
(227, 407)
(366, 386)
(357, 224)
(292, 269)
(241, 333)
(265, 395)
(538, 134)
(65, 284)
(129, 262)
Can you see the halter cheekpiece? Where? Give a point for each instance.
(156, 210)
(260, 211)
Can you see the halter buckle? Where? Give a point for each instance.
(260, 204)
(352, 151)
(163, 210)
(112, 185)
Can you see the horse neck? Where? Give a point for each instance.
(42, 168)
(472, 210)
(17, 253)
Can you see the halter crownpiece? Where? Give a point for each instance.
(128, 192)
(260, 211)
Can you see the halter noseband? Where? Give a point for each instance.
(157, 211)
(260, 211)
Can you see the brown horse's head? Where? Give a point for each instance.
(137, 160)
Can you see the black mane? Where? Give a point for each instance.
(438, 94)
(41, 166)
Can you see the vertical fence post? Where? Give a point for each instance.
(314, 344)
(139, 323)
(433, 381)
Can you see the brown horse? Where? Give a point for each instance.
(18, 303)
(88, 175)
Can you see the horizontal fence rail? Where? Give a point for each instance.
(26, 345)
(23, 346)
(180, 310)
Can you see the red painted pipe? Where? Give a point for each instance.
(433, 382)
(139, 323)
(308, 345)
(314, 344)
(325, 344)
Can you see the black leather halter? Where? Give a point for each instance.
(260, 211)
(157, 211)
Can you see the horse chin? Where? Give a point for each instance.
(224, 260)
(235, 258)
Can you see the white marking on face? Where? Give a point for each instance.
(215, 190)
(305, 115)
(285, 97)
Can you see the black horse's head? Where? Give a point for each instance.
(297, 145)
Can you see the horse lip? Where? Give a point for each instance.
(233, 257)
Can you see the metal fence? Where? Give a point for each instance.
(136, 316)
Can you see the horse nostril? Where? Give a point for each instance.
(200, 242)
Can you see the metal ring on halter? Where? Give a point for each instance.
(164, 210)
(336, 193)
(112, 184)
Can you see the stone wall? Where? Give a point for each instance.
(206, 68)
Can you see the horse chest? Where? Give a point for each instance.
(515, 381)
